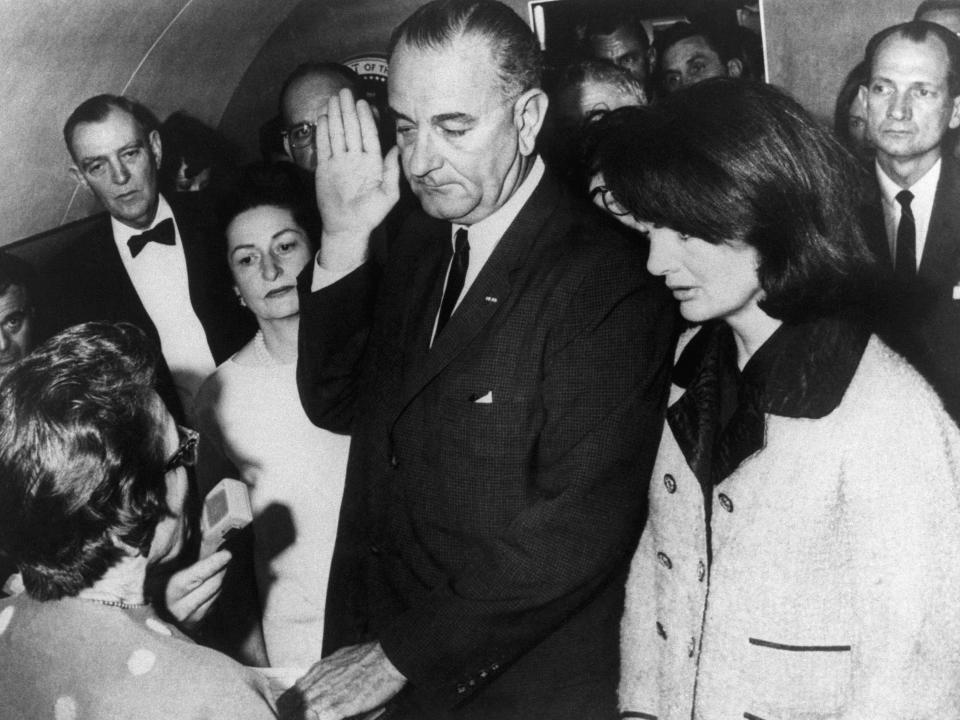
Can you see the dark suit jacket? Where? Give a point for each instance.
(922, 320)
(89, 282)
(485, 544)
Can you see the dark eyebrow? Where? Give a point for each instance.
(278, 233)
(453, 117)
(136, 144)
(285, 231)
(441, 118)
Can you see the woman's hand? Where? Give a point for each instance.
(190, 593)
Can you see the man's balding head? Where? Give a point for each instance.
(304, 97)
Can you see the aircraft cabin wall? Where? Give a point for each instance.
(223, 61)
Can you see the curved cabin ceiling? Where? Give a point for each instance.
(223, 61)
(191, 55)
(187, 54)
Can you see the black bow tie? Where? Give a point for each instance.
(162, 233)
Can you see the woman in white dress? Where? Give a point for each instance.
(254, 428)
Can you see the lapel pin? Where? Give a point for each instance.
(490, 299)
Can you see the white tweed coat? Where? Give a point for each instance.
(834, 588)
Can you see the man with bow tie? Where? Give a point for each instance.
(151, 262)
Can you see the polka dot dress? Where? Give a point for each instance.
(75, 659)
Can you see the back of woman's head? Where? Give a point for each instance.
(733, 161)
(81, 456)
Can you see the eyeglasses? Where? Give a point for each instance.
(300, 135)
(609, 201)
(186, 453)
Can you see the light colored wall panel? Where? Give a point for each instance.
(813, 44)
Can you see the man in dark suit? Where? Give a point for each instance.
(503, 374)
(157, 264)
(912, 220)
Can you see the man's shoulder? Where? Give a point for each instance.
(950, 179)
(85, 242)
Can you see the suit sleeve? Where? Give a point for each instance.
(335, 325)
(603, 389)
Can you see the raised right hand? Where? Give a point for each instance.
(356, 187)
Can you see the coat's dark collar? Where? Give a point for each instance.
(801, 371)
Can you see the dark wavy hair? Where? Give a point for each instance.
(272, 184)
(514, 46)
(81, 456)
(754, 168)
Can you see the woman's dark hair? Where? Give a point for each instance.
(275, 184)
(81, 457)
(734, 161)
(859, 75)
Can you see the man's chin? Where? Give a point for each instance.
(443, 208)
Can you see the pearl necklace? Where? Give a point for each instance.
(264, 357)
(261, 352)
(116, 603)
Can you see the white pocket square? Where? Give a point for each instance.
(483, 399)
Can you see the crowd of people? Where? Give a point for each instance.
(619, 389)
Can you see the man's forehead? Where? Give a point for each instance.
(688, 47)
(116, 129)
(309, 95)
(899, 53)
(458, 77)
(13, 299)
(621, 40)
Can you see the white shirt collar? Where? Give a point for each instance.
(923, 189)
(122, 233)
(485, 235)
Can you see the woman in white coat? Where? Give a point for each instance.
(800, 556)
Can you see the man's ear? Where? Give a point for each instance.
(155, 146)
(955, 113)
(529, 112)
(734, 67)
(78, 176)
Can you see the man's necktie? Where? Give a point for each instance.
(458, 271)
(163, 233)
(905, 266)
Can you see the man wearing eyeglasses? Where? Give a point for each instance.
(303, 99)
(502, 373)
(148, 261)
